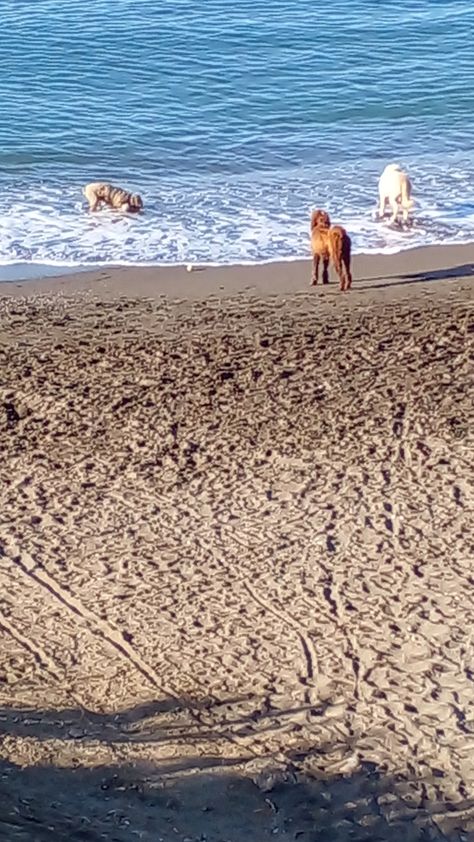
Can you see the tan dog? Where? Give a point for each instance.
(395, 188)
(100, 192)
(330, 243)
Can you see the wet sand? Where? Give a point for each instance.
(236, 554)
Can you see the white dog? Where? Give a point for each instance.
(395, 188)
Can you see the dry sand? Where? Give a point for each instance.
(236, 589)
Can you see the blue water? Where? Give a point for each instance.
(232, 119)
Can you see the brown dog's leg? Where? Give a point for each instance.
(314, 276)
(348, 275)
(346, 260)
(340, 272)
(325, 270)
(343, 275)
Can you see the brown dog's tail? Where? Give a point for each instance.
(340, 251)
(336, 241)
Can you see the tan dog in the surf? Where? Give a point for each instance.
(100, 192)
(395, 188)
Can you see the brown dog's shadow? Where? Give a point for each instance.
(466, 270)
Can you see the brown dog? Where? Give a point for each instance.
(330, 242)
(100, 192)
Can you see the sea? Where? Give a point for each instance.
(232, 118)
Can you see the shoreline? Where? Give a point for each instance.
(374, 271)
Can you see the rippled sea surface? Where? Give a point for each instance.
(232, 120)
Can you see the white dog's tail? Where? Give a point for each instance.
(405, 195)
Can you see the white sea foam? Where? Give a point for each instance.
(224, 222)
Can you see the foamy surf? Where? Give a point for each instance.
(217, 222)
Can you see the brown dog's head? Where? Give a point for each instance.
(320, 219)
(136, 202)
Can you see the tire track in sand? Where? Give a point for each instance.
(39, 654)
(101, 628)
(307, 646)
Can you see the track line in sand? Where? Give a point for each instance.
(96, 625)
(309, 652)
(40, 656)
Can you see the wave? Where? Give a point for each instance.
(226, 222)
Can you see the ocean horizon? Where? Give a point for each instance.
(232, 122)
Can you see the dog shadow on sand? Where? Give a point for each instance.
(466, 270)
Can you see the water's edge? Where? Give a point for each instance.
(24, 272)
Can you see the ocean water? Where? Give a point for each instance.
(232, 120)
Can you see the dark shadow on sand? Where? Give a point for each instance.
(210, 799)
(454, 273)
(161, 721)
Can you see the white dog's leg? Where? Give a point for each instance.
(382, 203)
(394, 206)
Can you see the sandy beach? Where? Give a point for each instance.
(236, 590)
